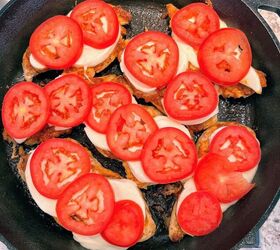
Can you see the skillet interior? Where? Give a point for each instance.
(26, 227)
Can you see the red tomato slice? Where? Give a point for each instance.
(152, 58)
(194, 23)
(126, 226)
(57, 43)
(106, 98)
(128, 130)
(86, 206)
(225, 56)
(168, 155)
(215, 176)
(70, 100)
(199, 214)
(190, 96)
(98, 21)
(56, 163)
(239, 146)
(25, 110)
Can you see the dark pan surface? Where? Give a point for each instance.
(26, 227)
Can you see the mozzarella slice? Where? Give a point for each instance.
(91, 57)
(47, 205)
(252, 81)
(187, 54)
(19, 141)
(35, 64)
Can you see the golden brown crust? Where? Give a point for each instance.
(28, 71)
(171, 10)
(124, 16)
(149, 227)
(200, 127)
(41, 136)
(174, 230)
(203, 143)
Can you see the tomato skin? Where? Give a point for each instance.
(191, 33)
(122, 124)
(214, 175)
(70, 100)
(96, 221)
(103, 109)
(62, 55)
(199, 214)
(126, 226)
(157, 73)
(65, 148)
(217, 56)
(243, 145)
(160, 153)
(100, 39)
(17, 94)
(198, 95)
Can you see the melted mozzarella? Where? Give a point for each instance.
(19, 141)
(35, 64)
(45, 204)
(123, 190)
(136, 83)
(252, 81)
(222, 24)
(187, 54)
(91, 57)
(196, 121)
(97, 139)
(136, 166)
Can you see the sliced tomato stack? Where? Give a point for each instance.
(169, 155)
(58, 42)
(190, 96)
(194, 23)
(233, 151)
(25, 110)
(70, 100)
(152, 58)
(129, 128)
(106, 98)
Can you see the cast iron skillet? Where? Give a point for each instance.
(22, 223)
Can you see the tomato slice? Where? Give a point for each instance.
(215, 176)
(225, 56)
(57, 43)
(126, 226)
(152, 58)
(70, 100)
(106, 98)
(239, 146)
(56, 163)
(128, 130)
(98, 21)
(194, 23)
(168, 155)
(199, 214)
(190, 96)
(86, 206)
(25, 110)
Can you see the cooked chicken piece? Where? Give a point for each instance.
(124, 18)
(174, 230)
(203, 142)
